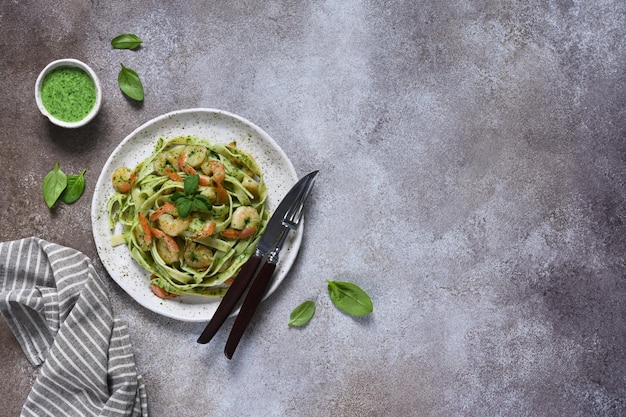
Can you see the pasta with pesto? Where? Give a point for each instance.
(191, 214)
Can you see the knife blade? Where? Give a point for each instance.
(263, 278)
(267, 242)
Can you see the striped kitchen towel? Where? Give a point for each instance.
(59, 311)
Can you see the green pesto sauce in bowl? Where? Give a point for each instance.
(68, 93)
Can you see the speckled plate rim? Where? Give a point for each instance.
(218, 126)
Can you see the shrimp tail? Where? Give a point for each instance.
(165, 208)
(147, 230)
(239, 234)
(222, 194)
(160, 292)
(173, 175)
(127, 186)
(169, 240)
(204, 180)
(206, 231)
(183, 166)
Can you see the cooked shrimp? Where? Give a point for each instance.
(165, 208)
(167, 247)
(245, 222)
(215, 173)
(222, 194)
(172, 174)
(143, 233)
(191, 158)
(184, 166)
(251, 185)
(210, 193)
(195, 155)
(204, 180)
(123, 179)
(239, 234)
(160, 292)
(165, 160)
(245, 216)
(145, 227)
(171, 225)
(197, 256)
(217, 195)
(215, 170)
(207, 230)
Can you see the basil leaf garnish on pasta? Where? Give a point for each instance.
(191, 183)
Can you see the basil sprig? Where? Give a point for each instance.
(126, 41)
(350, 298)
(57, 184)
(302, 314)
(130, 83)
(189, 200)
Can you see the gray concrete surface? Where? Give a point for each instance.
(472, 158)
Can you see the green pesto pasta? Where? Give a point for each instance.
(192, 214)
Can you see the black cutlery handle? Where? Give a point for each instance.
(234, 293)
(250, 304)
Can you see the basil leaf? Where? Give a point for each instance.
(200, 205)
(126, 41)
(177, 194)
(205, 200)
(130, 84)
(191, 183)
(350, 298)
(184, 206)
(302, 314)
(74, 189)
(53, 185)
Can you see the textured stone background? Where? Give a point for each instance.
(472, 158)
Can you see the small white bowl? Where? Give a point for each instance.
(69, 63)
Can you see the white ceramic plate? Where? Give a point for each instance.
(217, 126)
